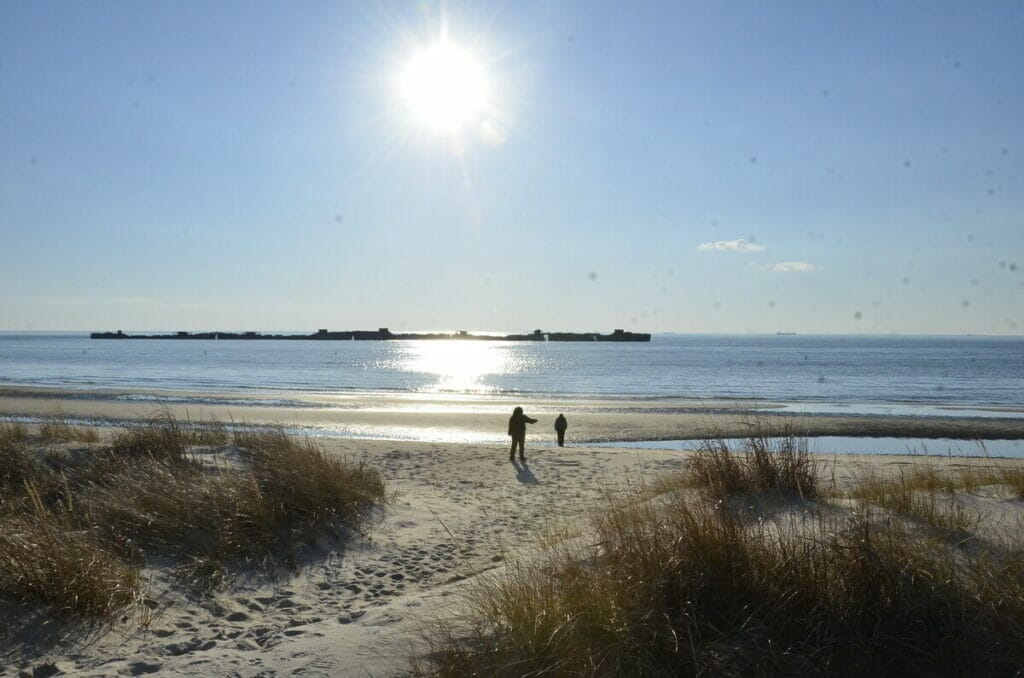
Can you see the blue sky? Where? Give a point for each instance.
(688, 167)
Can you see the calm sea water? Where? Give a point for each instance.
(926, 371)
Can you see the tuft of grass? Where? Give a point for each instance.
(12, 435)
(680, 589)
(764, 464)
(928, 495)
(161, 437)
(44, 556)
(15, 465)
(179, 510)
(75, 527)
(60, 430)
(1014, 478)
(289, 492)
(309, 485)
(209, 434)
(970, 479)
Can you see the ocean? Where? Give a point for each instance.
(810, 373)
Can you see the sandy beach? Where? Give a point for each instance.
(458, 510)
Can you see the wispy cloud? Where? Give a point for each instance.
(794, 267)
(740, 245)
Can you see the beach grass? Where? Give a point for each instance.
(307, 485)
(682, 584)
(920, 493)
(163, 437)
(48, 556)
(15, 463)
(58, 429)
(776, 464)
(77, 528)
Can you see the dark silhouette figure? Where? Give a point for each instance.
(560, 425)
(517, 430)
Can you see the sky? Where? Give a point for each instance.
(695, 167)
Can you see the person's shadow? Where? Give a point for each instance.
(524, 474)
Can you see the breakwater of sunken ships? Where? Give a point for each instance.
(383, 334)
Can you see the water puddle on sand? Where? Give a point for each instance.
(891, 410)
(848, 445)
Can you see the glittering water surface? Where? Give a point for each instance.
(865, 372)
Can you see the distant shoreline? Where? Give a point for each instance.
(384, 334)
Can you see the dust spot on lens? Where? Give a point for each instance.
(965, 303)
(592, 275)
(857, 315)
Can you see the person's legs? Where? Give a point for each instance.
(561, 438)
(512, 450)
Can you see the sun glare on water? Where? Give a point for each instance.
(459, 365)
(444, 87)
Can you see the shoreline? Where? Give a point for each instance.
(474, 419)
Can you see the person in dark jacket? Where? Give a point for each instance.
(560, 425)
(517, 430)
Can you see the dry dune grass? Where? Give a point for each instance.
(76, 529)
(58, 429)
(683, 585)
(764, 464)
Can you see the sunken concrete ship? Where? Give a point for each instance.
(383, 334)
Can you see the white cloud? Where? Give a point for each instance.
(794, 267)
(740, 245)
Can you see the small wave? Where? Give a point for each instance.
(202, 400)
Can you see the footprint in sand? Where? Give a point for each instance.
(350, 617)
(139, 668)
(194, 645)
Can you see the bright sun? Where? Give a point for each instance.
(444, 87)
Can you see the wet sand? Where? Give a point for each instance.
(482, 420)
